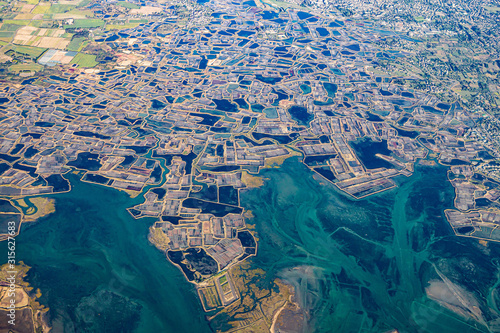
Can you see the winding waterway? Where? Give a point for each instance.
(98, 272)
(363, 266)
(358, 266)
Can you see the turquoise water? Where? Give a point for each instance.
(358, 266)
(363, 266)
(98, 272)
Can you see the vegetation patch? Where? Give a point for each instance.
(19, 68)
(251, 181)
(43, 207)
(17, 22)
(7, 34)
(9, 26)
(85, 23)
(158, 238)
(31, 51)
(84, 60)
(58, 8)
(492, 9)
(41, 8)
(75, 44)
(122, 26)
(127, 5)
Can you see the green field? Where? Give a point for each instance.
(9, 27)
(85, 12)
(36, 23)
(7, 34)
(128, 5)
(84, 60)
(121, 26)
(17, 22)
(83, 3)
(281, 4)
(41, 8)
(492, 9)
(85, 23)
(58, 9)
(31, 51)
(25, 68)
(41, 23)
(74, 45)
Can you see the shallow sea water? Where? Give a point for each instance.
(98, 272)
(358, 266)
(364, 266)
